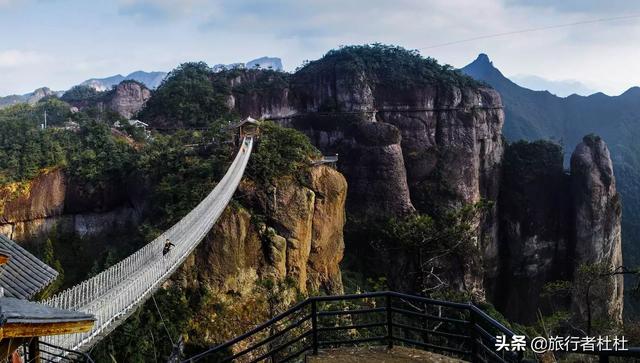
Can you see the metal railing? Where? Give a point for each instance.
(390, 318)
(39, 351)
(380, 318)
(52, 353)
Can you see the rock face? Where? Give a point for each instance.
(126, 98)
(535, 234)
(291, 235)
(53, 201)
(551, 224)
(597, 221)
(129, 97)
(300, 237)
(394, 146)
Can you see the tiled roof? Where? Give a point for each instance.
(247, 120)
(24, 275)
(18, 311)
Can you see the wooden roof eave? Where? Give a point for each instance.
(39, 329)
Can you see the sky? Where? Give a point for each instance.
(60, 43)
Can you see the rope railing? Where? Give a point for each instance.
(115, 293)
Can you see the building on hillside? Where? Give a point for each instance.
(23, 322)
(134, 123)
(248, 127)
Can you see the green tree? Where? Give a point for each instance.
(190, 96)
(51, 260)
(280, 151)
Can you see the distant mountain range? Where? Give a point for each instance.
(532, 115)
(561, 88)
(150, 79)
(30, 98)
(261, 63)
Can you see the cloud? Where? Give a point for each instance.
(7, 3)
(125, 35)
(15, 58)
(582, 6)
(159, 9)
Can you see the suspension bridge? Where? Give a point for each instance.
(114, 294)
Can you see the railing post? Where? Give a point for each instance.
(314, 325)
(474, 334)
(389, 321)
(34, 350)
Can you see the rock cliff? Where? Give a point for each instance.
(410, 140)
(535, 234)
(553, 224)
(30, 210)
(293, 231)
(289, 238)
(421, 143)
(597, 222)
(128, 98)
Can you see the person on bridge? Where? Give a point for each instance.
(167, 247)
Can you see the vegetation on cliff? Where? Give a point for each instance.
(188, 97)
(440, 250)
(388, 66)
(282, 152)
(81, 94)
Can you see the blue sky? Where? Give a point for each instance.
(59, 43)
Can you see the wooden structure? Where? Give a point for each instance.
(23, 322)
(249, 127)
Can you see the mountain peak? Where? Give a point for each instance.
(482, 68)
(483, 59)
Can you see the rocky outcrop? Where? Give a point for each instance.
(404, 146)
(290, 232)
(558, 227)
(128, 98)
(289, 236)
(536, 234)
(597, 223)
(39, 94)
(395, 146)
(40, 198)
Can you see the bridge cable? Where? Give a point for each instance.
(162, 319)
(530, 30)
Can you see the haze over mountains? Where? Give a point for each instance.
(562, 88)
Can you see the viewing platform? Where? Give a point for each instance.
(331, 160)
(378, 354)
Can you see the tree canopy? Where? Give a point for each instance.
(189, 97)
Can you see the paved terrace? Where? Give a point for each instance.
(378, 354)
